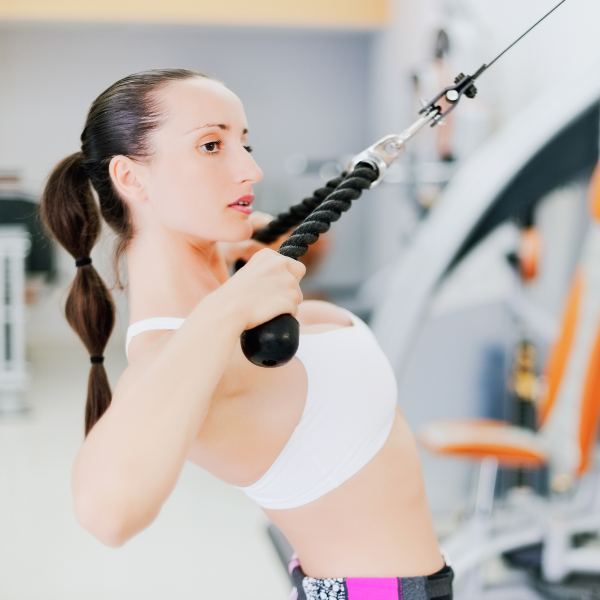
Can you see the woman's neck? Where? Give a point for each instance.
(169, 273)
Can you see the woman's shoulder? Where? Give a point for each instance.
(143, 350)
(318, 312)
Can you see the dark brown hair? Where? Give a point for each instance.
(119, 122)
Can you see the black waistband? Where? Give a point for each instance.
(439, 584)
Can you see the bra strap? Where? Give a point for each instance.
(154, 323)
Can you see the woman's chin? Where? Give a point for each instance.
(247, 231)
(241, 233)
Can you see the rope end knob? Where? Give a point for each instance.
(272, 344)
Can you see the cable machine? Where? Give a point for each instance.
(273, 344)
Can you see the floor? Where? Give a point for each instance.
(209, 541)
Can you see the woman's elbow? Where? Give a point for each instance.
(107, 527)
(110, 525)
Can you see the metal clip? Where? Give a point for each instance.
(385, 151)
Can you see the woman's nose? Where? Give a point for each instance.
(248, 170)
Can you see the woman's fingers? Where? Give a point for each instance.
(296, 268)
(259, 219)
(267, 286)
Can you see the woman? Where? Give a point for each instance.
(319, 443)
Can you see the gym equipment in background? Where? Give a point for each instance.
(14, 248)
(24, 251)
(550, 528)
(524, 383)
(548, 145)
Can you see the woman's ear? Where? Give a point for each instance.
(128, 178)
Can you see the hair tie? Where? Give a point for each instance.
(96, 359)
(83, 261)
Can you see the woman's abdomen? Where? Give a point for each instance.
(376, 524)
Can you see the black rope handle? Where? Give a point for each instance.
(296, 214)
(319, 221)
(274, 343)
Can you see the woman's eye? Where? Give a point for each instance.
(212, 147)
(248, 148)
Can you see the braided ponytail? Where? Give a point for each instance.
(70, 213)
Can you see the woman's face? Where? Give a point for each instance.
(199, 179)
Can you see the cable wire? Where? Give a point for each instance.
(487, 66)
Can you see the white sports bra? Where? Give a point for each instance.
(349, 412)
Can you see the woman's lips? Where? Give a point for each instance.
(243, 204)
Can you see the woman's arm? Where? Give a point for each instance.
(132, 458)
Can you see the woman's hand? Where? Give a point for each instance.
(234, 251)
(267, 286)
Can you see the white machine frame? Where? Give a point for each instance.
(522, 520)
(14, 378)
(412, 280)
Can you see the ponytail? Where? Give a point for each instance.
(119, 122)
(69, 212)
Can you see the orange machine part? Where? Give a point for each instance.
(530, 250)
(505, 455)
(594, 194)
(590, 409)
(559, 355)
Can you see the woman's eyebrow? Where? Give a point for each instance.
(222, 126)
(219, 125)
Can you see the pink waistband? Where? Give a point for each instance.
(382, 588)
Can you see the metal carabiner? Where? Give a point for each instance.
(385, 151)
(463, 85)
